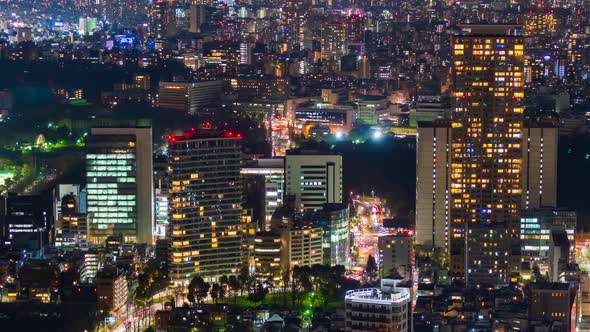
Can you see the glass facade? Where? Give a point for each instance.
(111, 185)
(535, 234)
(335, 221)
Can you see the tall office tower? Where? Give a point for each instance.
(293, 14)
(183, 17)
(536, 228)
(128, 13)
(355, 34)
(271, 176)
(432, 184)
(197, 16)
(486, 154)
(314, 178)
(539, 166)
(120, 184)
(163, 19)
(205, 204)
(333, 44)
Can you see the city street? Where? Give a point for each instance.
(138, 318)
(366, 232)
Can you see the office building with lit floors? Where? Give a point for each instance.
(388, 308)
(205, 196)
(314, 178)
(487, 108)
(120, 184)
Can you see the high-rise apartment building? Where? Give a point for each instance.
(293, 15)
(355, 34)
(197, 16)
(333, 44)
(540, 22)
(205, 197)
(433, 182)
(314, 178)
(163, 19)
(487, 108)
(119, 181)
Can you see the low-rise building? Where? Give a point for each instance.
(111, 289)
(552, 303)
(303, 244)
(267, 254)
(379, 309)
(396, 256)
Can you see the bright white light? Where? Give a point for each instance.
(377, 135)
(339, 135)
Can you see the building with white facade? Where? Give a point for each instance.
(314, 178)
(379, 309)
(396, 256)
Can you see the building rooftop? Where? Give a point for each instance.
(377, 296)
(550, 286)
(193, 134)
(490, 29)
(559, 237)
